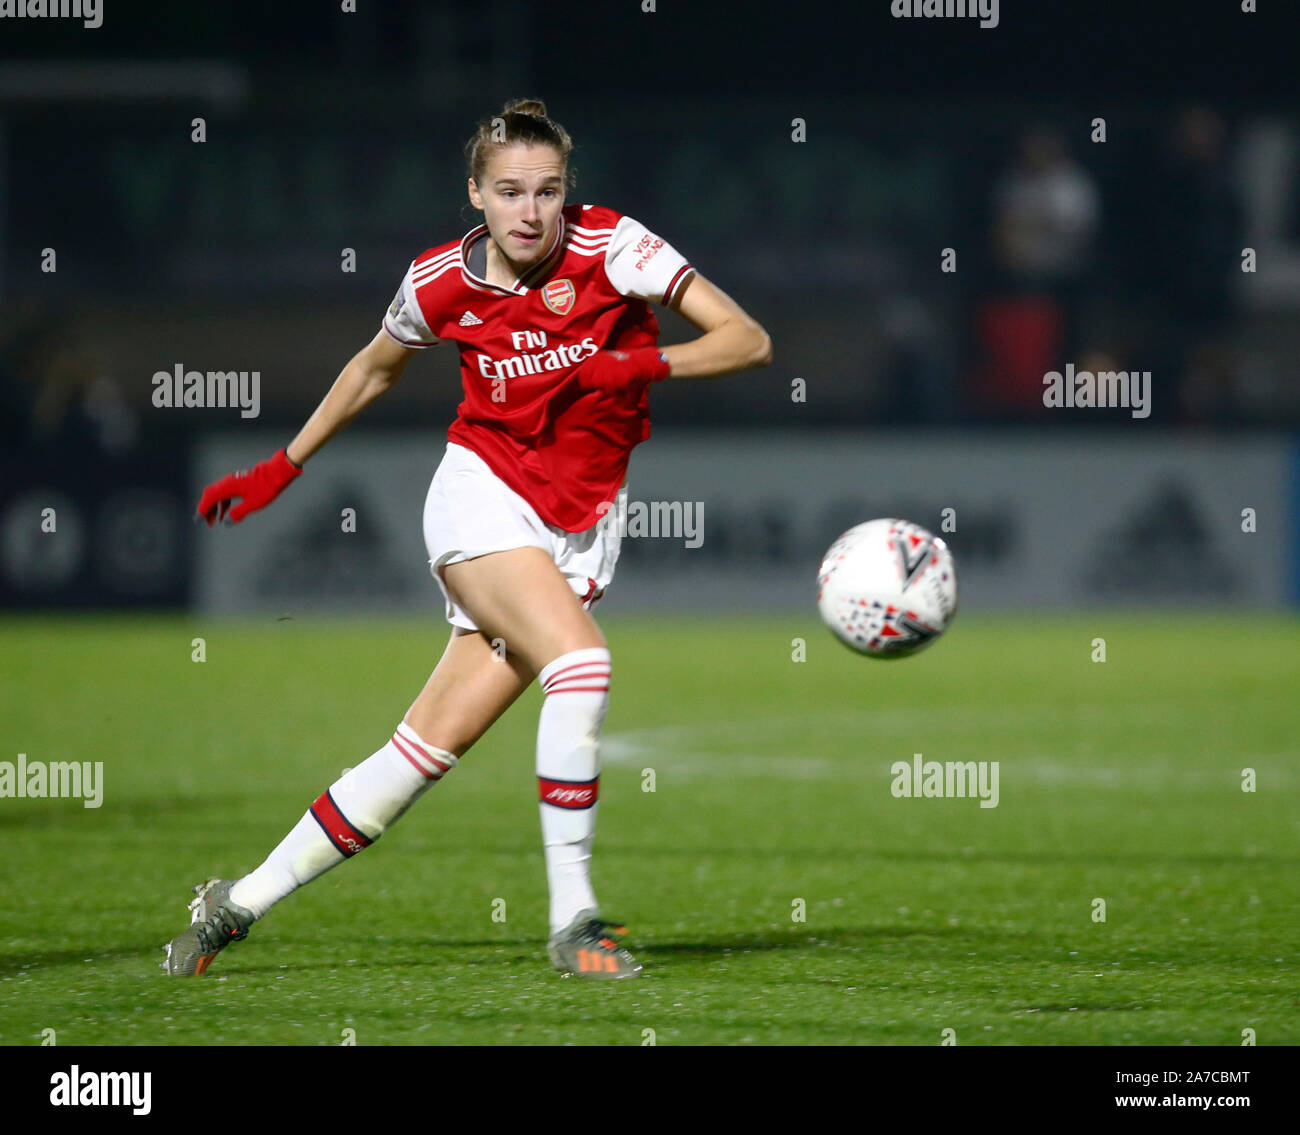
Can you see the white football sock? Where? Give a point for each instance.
(576, 686)
(346, 818)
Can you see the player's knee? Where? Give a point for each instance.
(577, 631)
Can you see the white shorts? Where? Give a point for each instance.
(471, 512)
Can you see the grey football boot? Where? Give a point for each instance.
(588, 947)
(214, 924)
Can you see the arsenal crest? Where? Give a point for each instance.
(559, 295)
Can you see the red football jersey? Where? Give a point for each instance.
(564, 450)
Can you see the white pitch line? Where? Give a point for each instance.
(735, 749)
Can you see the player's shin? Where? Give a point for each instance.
(576, 686)
(346, 818)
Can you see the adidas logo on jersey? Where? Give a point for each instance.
(469, 319)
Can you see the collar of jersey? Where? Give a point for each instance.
(521, 285)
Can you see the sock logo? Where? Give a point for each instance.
(576, 794)
(334, 824)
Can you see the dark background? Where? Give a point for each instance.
(329, 130)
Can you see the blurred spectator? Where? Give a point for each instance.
(1046, 210)
(1045, 216)
(53, 392)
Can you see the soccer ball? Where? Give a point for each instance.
(887, 588)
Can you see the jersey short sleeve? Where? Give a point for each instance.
(404, 320)
(644, 266)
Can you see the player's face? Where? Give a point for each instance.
(521, 195)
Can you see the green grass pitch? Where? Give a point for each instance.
(1119, 780)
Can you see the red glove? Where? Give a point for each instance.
(622, 370)
(258, 487)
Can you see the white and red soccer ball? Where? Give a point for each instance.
(887, 588)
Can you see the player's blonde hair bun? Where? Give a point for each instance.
(520, 122)
(525, 106)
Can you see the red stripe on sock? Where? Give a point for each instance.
(600, 677)
(405, 747)
(574, 794)
(603, 669)
(577, 690)
(335, 825)
(424, 772)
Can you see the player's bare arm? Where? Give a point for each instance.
(732, 340)
(370, 372)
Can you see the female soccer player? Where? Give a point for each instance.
(548, 305)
